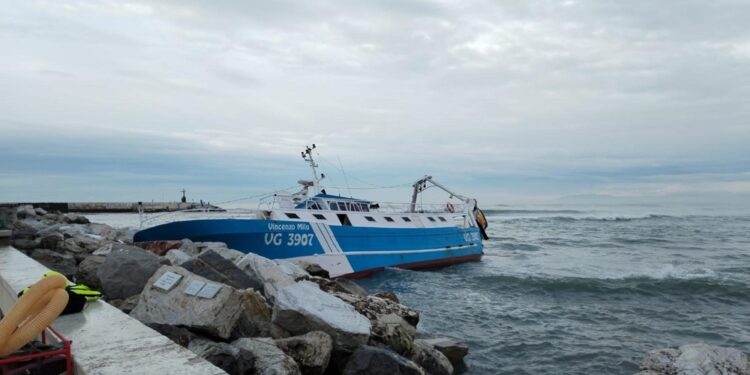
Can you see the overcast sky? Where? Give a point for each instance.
(508, 101)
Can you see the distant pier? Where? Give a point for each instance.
(114, 207)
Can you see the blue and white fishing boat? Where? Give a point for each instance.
(347, 236)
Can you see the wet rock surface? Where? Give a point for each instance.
(227, 357)
(452, 349)
(268, 358)
(255, 318)
(372, 360)
(431, 360)
(312, 351)
(696, 359)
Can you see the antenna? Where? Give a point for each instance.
(346, 179)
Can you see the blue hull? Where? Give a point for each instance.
(343, 250)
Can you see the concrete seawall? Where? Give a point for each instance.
(105, 340)
(101, 207)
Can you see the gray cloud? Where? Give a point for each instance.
(525, 96)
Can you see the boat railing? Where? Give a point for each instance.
(437, 208)
(272, 203)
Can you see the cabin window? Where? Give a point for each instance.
(364, 208)
(355, 207)
(319, 216)
(388, 219)
(406, 219)
(441, 218)
(342, 207)
(334, 207)
(430, 218)
(344, 219)
(292, 216)
(370, 218)
(315, 206)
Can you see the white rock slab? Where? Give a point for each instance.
(216, 315)
(267, 272)
(303, 307)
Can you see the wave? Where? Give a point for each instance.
(594, 219)
(493, 211)
(640, 286)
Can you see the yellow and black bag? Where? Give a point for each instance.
(78, 295)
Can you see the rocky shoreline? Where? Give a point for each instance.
(259, 316)
(267, 316)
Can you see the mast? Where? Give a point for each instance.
(308, 157)
(419, 186)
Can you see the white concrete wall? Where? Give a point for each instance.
(105, 340)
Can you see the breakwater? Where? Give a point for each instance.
(115, 207)
(244, 313)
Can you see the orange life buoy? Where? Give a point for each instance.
(32, 313)
(450, 208)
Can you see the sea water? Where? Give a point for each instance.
(580, 290)
(588, 291)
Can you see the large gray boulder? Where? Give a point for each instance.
(255, 320)
(339, 286)
(52, 241)
(696, 359)
(7, 217)
(219, 248)
(430, 359)
(88, 242)
(125, 305)
(25, 242)
(303, 307)
(213, 266)
(454, 350)
(28, 227)
(103, 231)
(87, 271)
(227, 357)
(126, 271)
(311, 351)
(177, 257)
(73, 218)
(216, 317)
(179, 335)
(25, 211)
(195, 249)
(63, 263)
(393, 325)
(373, 306)
(369, 360)
(291, 269)
(266, 272)
(394, 332)
(269, 359)
(313, 269)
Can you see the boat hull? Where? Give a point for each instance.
(342, 250)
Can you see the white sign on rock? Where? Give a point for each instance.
(209, 290)
(194, 287)
(168, 280)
